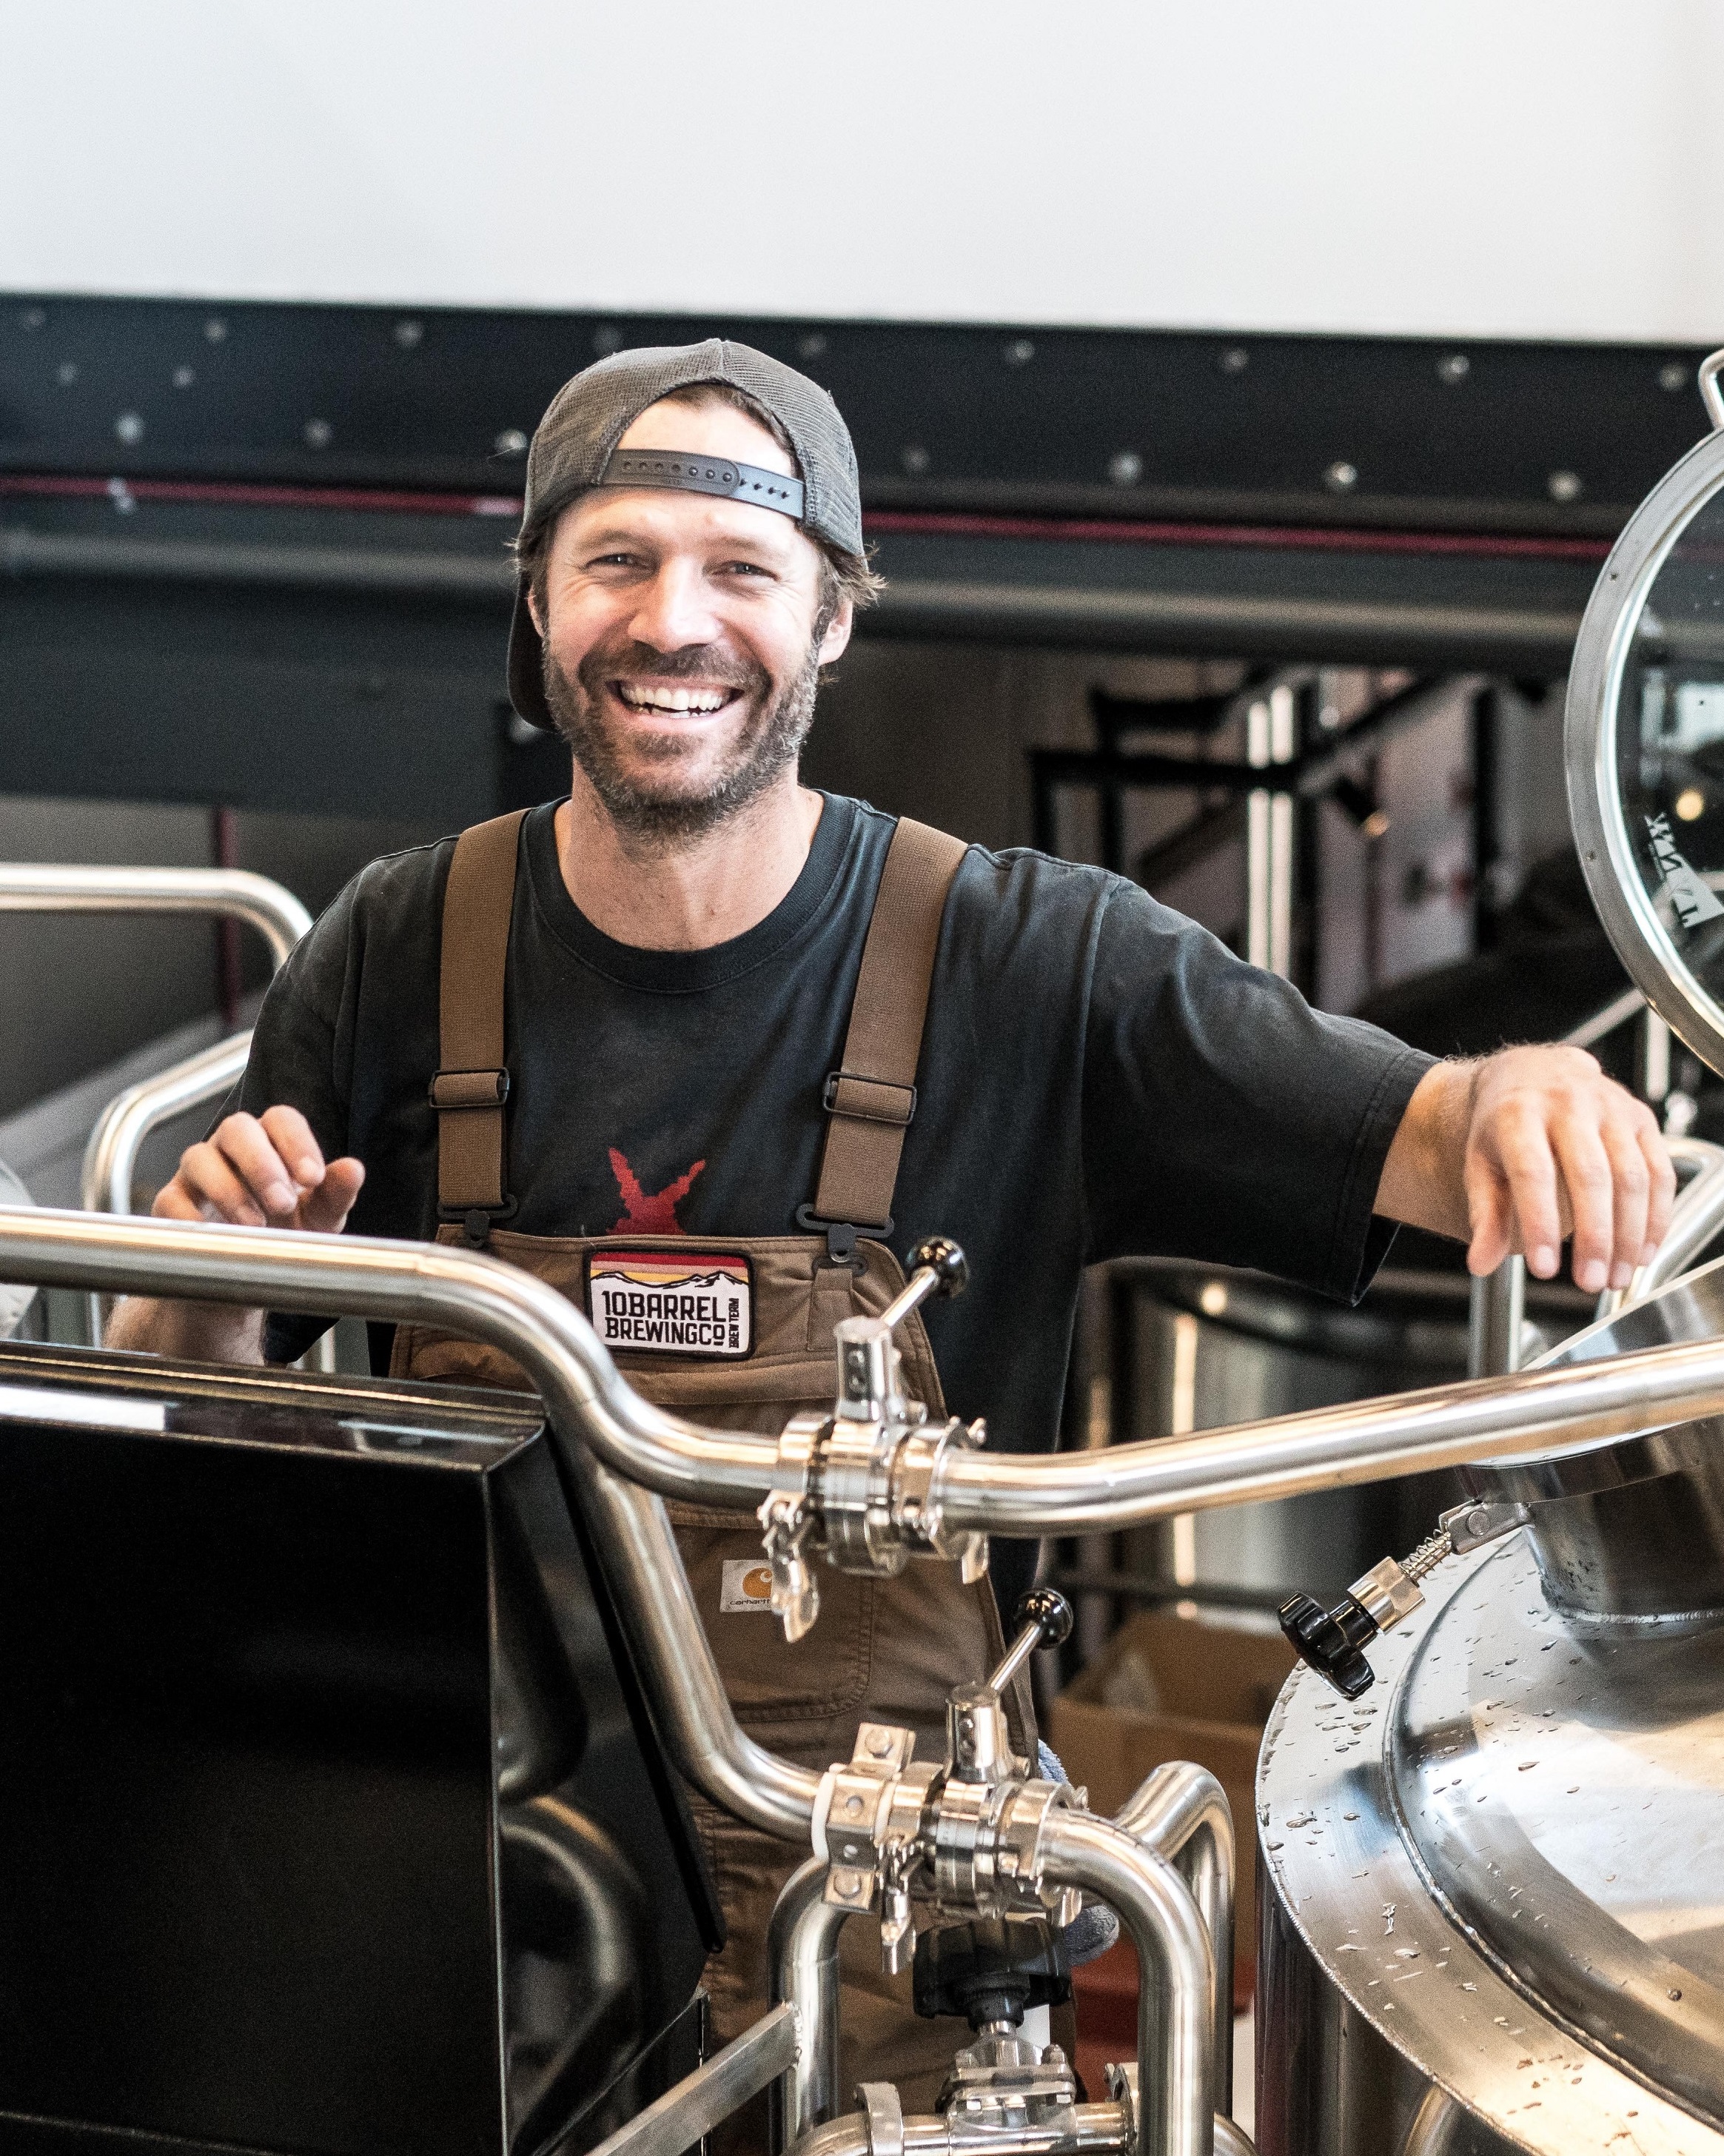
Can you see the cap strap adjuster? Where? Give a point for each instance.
(697, 474)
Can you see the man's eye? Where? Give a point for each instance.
(744, 569)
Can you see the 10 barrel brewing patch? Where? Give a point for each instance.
(665, 1302)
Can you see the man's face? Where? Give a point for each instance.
(682, 642)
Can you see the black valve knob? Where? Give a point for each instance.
(943, 1258)
(1329, 1641)
(990, 1969)
(1048, 1609)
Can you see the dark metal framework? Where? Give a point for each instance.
(222, 523)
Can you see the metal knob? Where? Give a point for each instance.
(1329, 1641)
(1044, 1618)
(937, 1266)
(940, 1255)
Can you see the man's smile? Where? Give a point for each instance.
(673, 699)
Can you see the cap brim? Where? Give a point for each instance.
(526, 664)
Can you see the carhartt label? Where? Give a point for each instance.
(748, 1584)
(1692, 898)
(661, 1302)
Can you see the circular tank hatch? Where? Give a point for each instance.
(1644, 741)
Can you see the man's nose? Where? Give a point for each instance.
(674, 611)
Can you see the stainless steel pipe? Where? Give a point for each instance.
(802, 1955)
(1181, 1812)
(1176, 1975)
(1542, 1411)
(223, 894)
(577, 1381)
(1101, 2131)
(111, 1157)
(1331, 1448)
(1696, 1219)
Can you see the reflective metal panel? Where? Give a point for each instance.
(1645, 747)
(1629, 1536)
(328, 1818)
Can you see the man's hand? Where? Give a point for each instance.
(256, 1171)
(1514, 1152)
(263, 1171)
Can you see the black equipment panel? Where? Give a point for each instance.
(329, 1818)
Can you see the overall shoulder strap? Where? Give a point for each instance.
(871, 1099)
(471, 1084)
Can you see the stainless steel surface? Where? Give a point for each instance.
(1617, 1012)
(1630, 1535)
(1497, 1318)
(223, 894)
(111, 1157)
(709, 2095)
(1667, 961)
(1553, 1410)
(1181, 1812)
(801, 1955)
(583, 1395)
(1175, 1974)
(1374, 1989)
(1711, 395)
(14, 1300)
(1546, 1411)
(1696, 1220)
(1097, 2128)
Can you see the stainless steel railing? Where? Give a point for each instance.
(111, 1155)
(1498, 1299)
(223, 894)
(610, 1438)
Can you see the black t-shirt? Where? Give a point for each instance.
(1099, 1077)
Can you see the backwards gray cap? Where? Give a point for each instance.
(575, 448)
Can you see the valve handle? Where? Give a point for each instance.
(1048, 1609)
(1044, 1617)
(1329, 1641)
(940, 1255)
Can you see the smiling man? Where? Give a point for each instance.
(710, 1052)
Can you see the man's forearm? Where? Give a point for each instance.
(194, 1332)
(1424, 1182)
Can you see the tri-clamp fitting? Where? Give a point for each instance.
(965, 1835)
(855, 1487)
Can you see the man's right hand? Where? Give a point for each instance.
(264, 1171)
(255, 1171)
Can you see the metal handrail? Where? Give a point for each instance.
(1696, 1219)
(606, 1432)
(221, 894)
(1498, 1299)
(110, 1156)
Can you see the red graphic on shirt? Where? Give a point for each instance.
(649, 1213)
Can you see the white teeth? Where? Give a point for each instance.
(672, 699)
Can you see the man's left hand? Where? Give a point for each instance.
(1514, 1152)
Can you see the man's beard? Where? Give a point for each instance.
(771, 738)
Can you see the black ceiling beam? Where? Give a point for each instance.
(1367, 433)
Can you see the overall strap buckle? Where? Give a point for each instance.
(841, 1235)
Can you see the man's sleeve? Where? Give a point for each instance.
(1225, 1119)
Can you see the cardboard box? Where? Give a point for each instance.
(1171, 1687)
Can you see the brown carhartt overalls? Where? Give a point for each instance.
(889, 1649)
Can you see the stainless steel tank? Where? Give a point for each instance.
(1492, 1904)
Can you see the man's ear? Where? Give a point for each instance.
(533, 613)
(836, 640)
